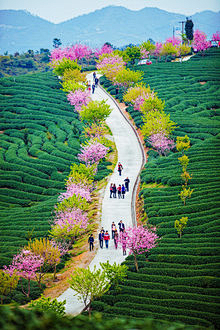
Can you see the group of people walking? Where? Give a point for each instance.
(94, 84)
(120, 190)
(104, 236)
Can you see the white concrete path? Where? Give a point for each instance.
(130, 154)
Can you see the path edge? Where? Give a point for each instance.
(137, 181)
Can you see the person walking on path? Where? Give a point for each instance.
(113, 229)
(121, 226)
(111, 190)
(91, 242)
(124, 244)
(93, 88)
(94, 76)
(127, 183)
(96, 81)
(101, 237)
(114, 190)
(119, 191)
(116, 239)
(123, 191)
(106, 238)
(120, 168)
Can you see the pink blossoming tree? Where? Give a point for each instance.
(26, 264)
(161, 143)
(77, 189)
(92, 153)
(79, 98)
(158, 50)
(139, 240)
(106, 49)
(76, 52)
(199, 41)
(174, 41)
(68, 224)
(216, 36)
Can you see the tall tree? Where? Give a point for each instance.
(56, 43)
(189, 29)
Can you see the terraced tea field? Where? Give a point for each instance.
(40, 138)
(179, 281)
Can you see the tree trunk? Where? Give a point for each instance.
(54, 274)
(29, 288)
(136, 263)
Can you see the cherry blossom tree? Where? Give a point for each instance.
(92, 153)
(158, 50)
(77, 189)
(139, 240)
(110, 65)
(106, 49)
(161, 143)
(216, 36)
(199, 41)
(174, 41)
(78, 98)
(68, 224)
(26, 264)
(137, 95)
(76, 52)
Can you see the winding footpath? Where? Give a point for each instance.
(131, 155)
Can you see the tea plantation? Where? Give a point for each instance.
(40, 138)
(179, 280)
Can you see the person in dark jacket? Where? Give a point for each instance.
(114, 190)
(121, 226)
(127, 184)
(111, 190)
(123, 191)
(91, 242)
(93, 88)
(101, 238)
(96, 81)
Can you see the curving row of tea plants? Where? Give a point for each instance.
(40, 139)
(180, 278)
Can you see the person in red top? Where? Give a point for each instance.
(120, 168)
(106, 238)
(119, 191)
(111, 190)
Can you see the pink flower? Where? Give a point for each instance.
(71, 218)
(199, 41)
(79, 98)
(92, 153)
(174, 41)
(161, 143)
(75, 189)
(138, 240)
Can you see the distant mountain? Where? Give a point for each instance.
(21, 30)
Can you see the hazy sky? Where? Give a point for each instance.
(58, 11)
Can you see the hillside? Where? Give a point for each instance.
(40, 139)
(21, 31)
(179, 279)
